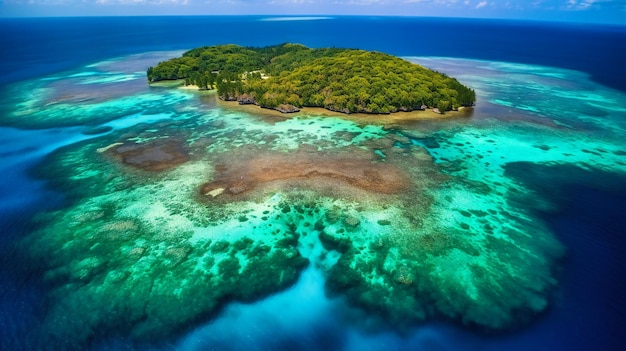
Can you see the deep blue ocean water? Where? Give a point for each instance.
(36, 46)
(589, 220)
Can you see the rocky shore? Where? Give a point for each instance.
(246, 99)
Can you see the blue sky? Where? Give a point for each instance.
(599, 11)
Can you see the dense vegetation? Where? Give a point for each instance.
(343, 80)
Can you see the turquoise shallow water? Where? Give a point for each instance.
(139, 253)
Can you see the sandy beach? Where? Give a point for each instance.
(385, 119)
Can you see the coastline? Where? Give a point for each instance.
(399, 117)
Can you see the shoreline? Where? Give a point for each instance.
(398, 117)
(391, 118)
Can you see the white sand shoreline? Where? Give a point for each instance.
(393, 118)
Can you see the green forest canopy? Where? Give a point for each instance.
(345, 80)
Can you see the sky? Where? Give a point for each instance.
(592, 11)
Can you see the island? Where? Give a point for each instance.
(288, 77)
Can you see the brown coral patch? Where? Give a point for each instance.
(158, 155)
(237, 175)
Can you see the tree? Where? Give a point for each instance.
(339, 79)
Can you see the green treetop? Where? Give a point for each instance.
(344, 80)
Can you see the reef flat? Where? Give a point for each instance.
(176, 206)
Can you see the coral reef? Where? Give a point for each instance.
(157, 155)
(170, 216)
(241, 172)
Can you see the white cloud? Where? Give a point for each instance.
(365, 2)
(437, 2)
(119, 2)
(595, 4)
(142, 2)
(481, 4)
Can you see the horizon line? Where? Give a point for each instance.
(295, 17)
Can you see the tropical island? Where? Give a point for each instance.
(288, 77)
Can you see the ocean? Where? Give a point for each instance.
(510, 236)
